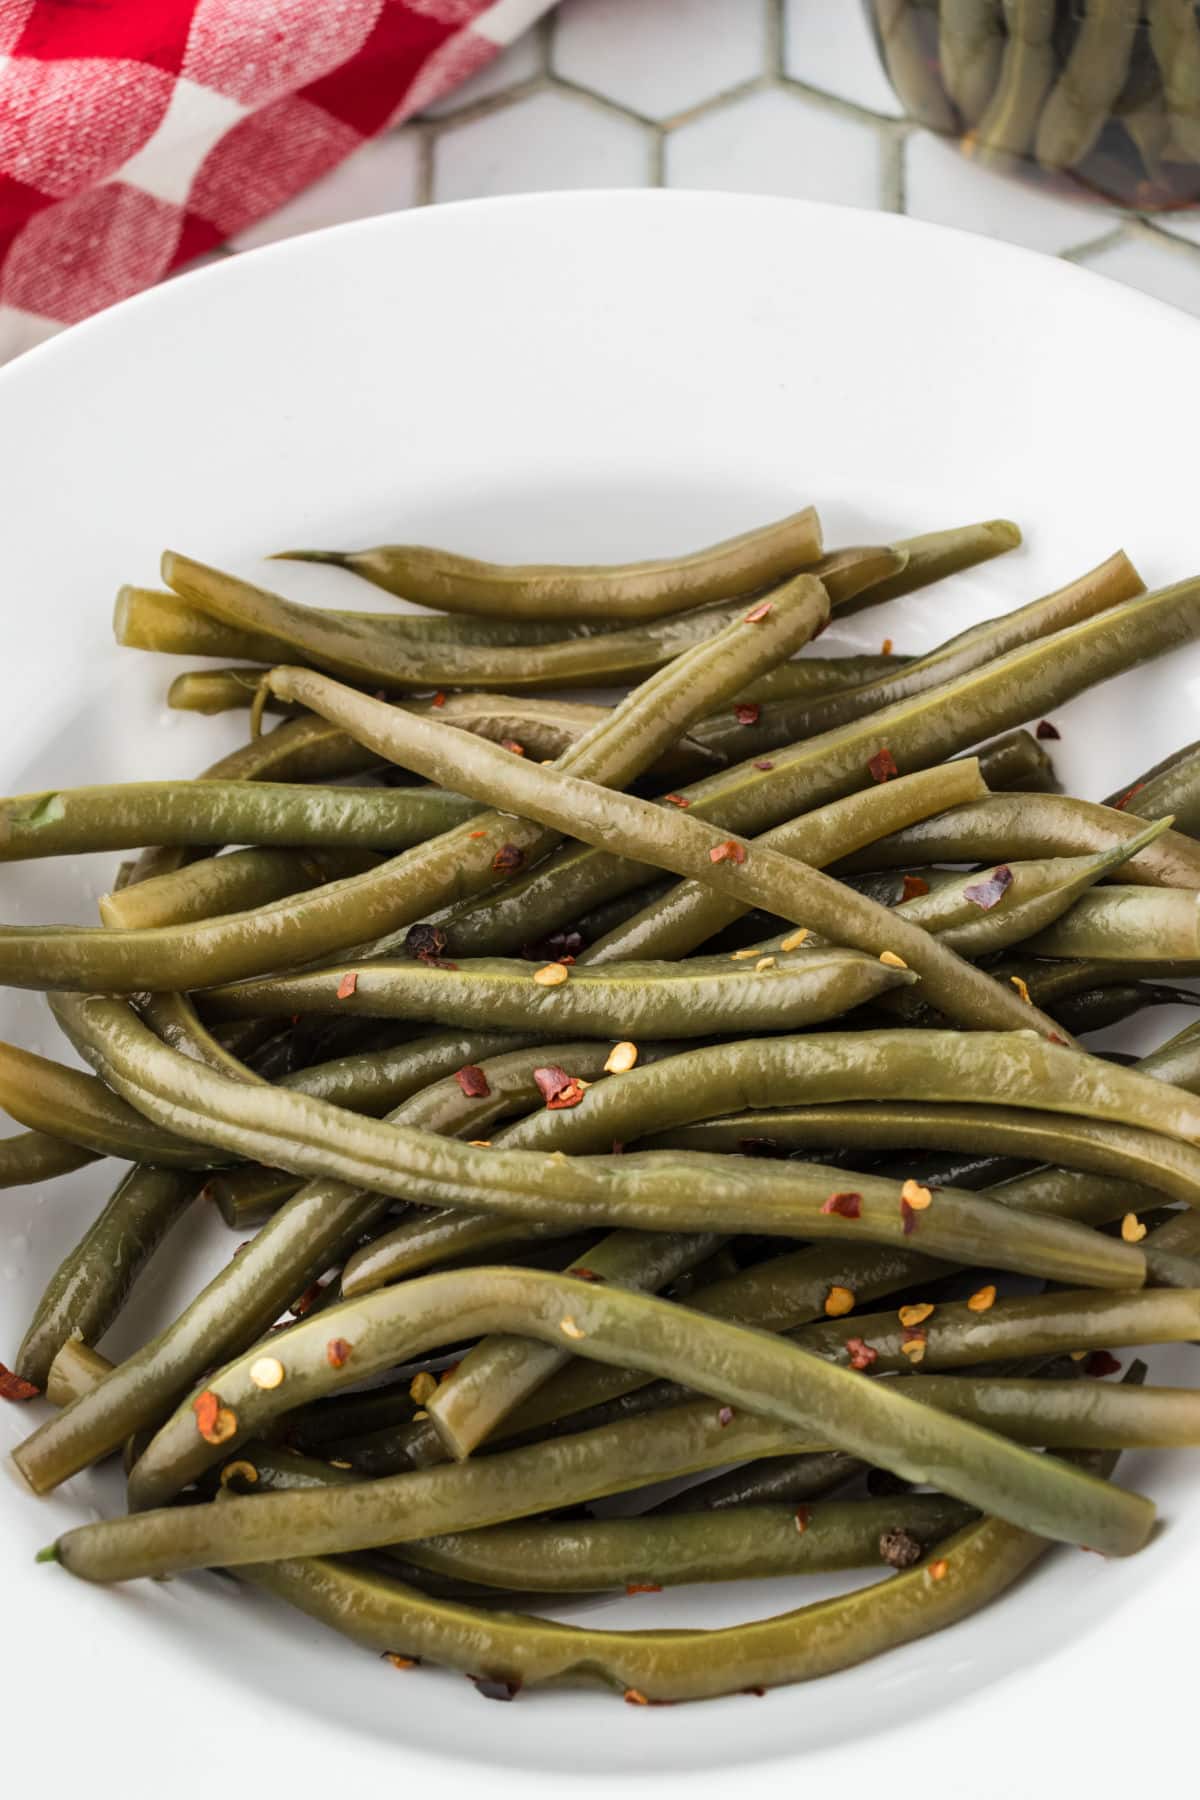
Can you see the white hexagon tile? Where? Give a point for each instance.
(766, 96)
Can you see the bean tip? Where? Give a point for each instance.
(49, 1554)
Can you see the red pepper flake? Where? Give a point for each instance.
(400, 1662)
(747, 712)
(838, 1302)
(635, 1697)
(507, 858)
(551, 1081)
(347, 985)
(802, 1518)
(1101, 1363)
(729, 851)
(473, 1082)
(308, 1299)
(476, 834)
(215, 1423)
(862, 1354)
(1046, 730)
(845, 1206)
(758, 613)
(643, 1587)
(512, 744)
(679, 800)
(908, 1218)
(567, 1096)
(913, 887)
(492, 1689)
(758, 1692)
(1123, 802)
(585, 1274)
(15, 1387)
(939, 1570)
(725, 1416)
(439, 699)
(338, 1353)
(764, 762)
(882, 765)
(886, 648)
(991, 890)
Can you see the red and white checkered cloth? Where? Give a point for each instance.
(135, 134)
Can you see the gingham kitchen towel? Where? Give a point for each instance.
(135, 134)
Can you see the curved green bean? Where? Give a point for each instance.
(1027, 71)
(30, 1156)
(48, 1097)
(238, 881)
(935, 555)
(1172, 787)
(747, 1369)
(808, 1476)
(970, 49)
(1156, 927)
(668, 1550)
(898, 28)
(1088, 87)
(1175, 41)
(1173, 1252)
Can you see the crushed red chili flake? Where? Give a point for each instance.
(585, 1275)
(802, 1517)
(15, 1387)
(568, 1096)
(913, 887)
(861, 1354)
(899, 1548)
(215, 1423)
(725, 1416)
(1046, 730)
(759, 612)
(400, 1662)
(939, 1570)
(507, 858)
(764, 762)
(643, 1587)
(747, 712)
(1123, 802)
(551, 1081)
(882, 765)
(476, 834)
(491, 1689)
(439, 699)
(679, 800)
(991, 890)
(729, 851)
(886, 648)
(908, 1218)
(338, 1353)
(635, 1697)
(424, 941)
(347, 985)
(845, 1206)
(306, 1301)
(512, 744)
(758, 1692)
(1101, 1363)
(473, 1082)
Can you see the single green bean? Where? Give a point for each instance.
(1031, 825)
(935, 555)
(1095, 1009)
(88, 1289)
(970, 49)
(1175, 40)
(236, 882)
(76, 1370)
(1173, 1252)
(807, 1476)
(645, 590)
(1108, 585)
(746, 1369)
(1087, 90)
(686, 845)
(1157, 927)
(30, 1156)
(668, 1550)
(899, 30)
(407, 887)
(1027, 71)
(1016, 760)
(667, 999)
(70, 821)
(1173, 787)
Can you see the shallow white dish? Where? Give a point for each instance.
(569, 376)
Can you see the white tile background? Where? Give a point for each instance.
(764, 96)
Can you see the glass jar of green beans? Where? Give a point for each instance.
(1101, 97)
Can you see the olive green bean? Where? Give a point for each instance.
(1173, 1252)
(236, 882)
(1108, 585)
(761, 1373)
(668, 1550)
(48, 1097)
(376, 1081)
(1027, 71)
(30, 1156)
(669, 999)
(76, 1370)
(89, 1287)
(1016, 760)
(1019, 825)
(807, 1476)
(1088, 87)
(898, 27)
(407, 887)
(688, 846)
(1173, 787)
(1095, 1009)
(970, 49)
(1034, 679)
(809, 677)
(71, 821)
(935, 555)
(1175, 41)
(247, 1196)
(175, 1020)
(1156, 927)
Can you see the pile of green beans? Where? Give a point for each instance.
(454, 1011)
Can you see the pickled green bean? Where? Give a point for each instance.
(898, 29)
(970, 49)
(807, 1476)
(30, 1156)
(1173, 787)
(236, 882)
(1088, 87)
(1027, 71)
(1156, 927)
(76, 1370)
(1175, 41)
(48, 1097)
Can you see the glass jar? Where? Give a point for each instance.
(1098, 97)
